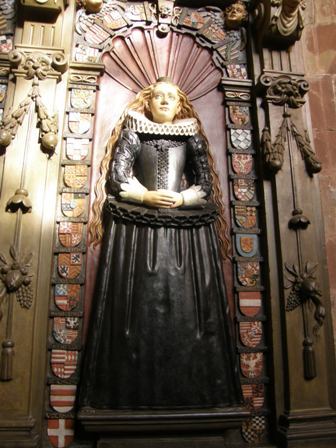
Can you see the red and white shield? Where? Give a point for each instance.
(242, 163)
(254, 395)
(77, 148)
(61, 432)
(250, 333)
(79, 122)
(67, 296)
(251, 364)
(70, 233)
(75, 176)
(244, 189)
(249, 302)
(69, 264)
(66, 329)
(62, 397)
(237, 71)
(63, 362)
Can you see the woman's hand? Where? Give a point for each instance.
(162, 199)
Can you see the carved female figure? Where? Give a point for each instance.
(160, 335)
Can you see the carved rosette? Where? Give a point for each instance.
(279, 23)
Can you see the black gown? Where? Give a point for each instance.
(160, 330)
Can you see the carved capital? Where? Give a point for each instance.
(279, 23)
(283, 89)
(35, 64)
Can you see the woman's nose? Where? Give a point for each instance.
(164, 100)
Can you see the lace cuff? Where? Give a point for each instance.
(194, 195)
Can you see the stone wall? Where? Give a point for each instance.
(319, 53)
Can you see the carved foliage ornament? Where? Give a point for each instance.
(305, 293)
(274, 152)
(35, 66)
(15, 280)
(284, 89)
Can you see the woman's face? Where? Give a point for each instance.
(164, 103)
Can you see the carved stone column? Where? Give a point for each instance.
(29, 154)
(303, 361)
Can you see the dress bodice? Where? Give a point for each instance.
(160, 163)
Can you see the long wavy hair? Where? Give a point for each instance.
(141, 104)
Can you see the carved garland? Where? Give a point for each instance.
(288, 91)
(35, 66)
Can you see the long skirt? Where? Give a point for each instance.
(160, 335)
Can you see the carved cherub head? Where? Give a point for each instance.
(235, 15)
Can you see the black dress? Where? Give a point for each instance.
(160, 330)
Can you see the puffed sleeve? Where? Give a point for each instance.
(198, 172)
(124, 156)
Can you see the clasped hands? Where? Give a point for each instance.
(134, 191)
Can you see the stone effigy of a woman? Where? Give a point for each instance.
(160, 333)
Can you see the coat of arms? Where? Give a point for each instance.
(242, 163)
(248, 273)
(81, 98)
(193, 19)
(241, 138)
(237, 71)
(62, 397)
(61, 432)
(3, 90)
(246, 245)
(251, 364)
(244, 189)
(253, 429)
(79, 122)
(73, 204)
(67, 296)
(69, 264)
(249, 302)
(239, 115)
(245, 216)
(75, 176)
(113, 18)
(254, 395)
(63, 362)
(77, 148)
(250, 333)
(83, 53)
(70, 234)
(65, 329)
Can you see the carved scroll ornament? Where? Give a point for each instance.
(279, 23)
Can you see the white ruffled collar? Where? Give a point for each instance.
(137, 122)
